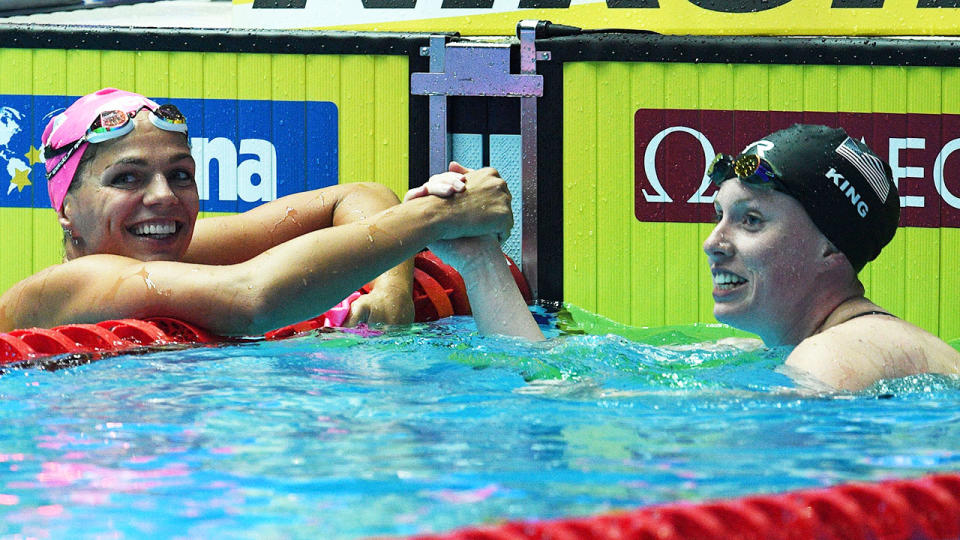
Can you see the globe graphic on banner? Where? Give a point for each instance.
(15, 166)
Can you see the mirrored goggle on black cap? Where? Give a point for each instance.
(749, 168)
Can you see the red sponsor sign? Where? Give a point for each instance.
(673, 148)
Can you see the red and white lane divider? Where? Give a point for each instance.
(926, 508)
(438, 292)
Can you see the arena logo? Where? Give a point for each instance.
(673, 148)
(253, 151)
(252, 180)
(723, 6)
(247, 152)
(682, 17)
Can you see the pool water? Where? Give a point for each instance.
(433, 427)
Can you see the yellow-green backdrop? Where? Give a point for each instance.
(646, 274)
(654, 274)
(370, 92)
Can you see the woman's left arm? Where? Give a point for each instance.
(233, 239)
(390, 300)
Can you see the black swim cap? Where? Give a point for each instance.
(846, 189)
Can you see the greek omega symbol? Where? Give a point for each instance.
(672, 148)
(650, 166)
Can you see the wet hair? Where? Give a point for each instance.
(87, 157)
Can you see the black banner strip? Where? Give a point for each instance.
(29, 36)
(621, 46)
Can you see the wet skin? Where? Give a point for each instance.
(766, 257)
(136, 198)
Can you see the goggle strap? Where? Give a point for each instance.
(54, 152)
(64, 159)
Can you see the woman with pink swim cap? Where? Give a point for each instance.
(121, 178)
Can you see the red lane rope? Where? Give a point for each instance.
(438, 292)
(925, 508)
(447, 277)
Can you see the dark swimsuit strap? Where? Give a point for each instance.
(872, 312)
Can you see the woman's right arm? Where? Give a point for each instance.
(288, 283)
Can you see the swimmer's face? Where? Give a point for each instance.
(764, 254)
(136, 198)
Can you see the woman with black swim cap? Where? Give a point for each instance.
(799, 214)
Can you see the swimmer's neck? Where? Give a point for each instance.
(826, 307)
(845, 311)
(819, 314)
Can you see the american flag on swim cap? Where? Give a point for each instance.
(869, 166)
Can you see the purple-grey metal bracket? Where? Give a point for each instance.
(482, 68)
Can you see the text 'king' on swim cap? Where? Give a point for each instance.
(846, 189)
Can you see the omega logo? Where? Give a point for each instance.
(897, 151)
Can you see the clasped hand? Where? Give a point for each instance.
(485, 201)
(382, 305)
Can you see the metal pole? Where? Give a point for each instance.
(438, 110)
(528, 145)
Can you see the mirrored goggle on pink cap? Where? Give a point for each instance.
(95, 118)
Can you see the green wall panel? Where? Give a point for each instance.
(50, 77)
(391, 123)
(16, 224)
(361, 119)
(614, 177)
(684, 259)
(186, 75)
(152, 73)
(580, 176)
(648, 274)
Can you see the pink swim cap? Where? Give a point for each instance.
(67, 127)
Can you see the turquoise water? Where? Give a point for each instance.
(432, 428)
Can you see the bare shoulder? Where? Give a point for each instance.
(43, 299)
(861, 351)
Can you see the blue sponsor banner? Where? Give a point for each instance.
(247, 151)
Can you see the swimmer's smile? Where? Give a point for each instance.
(156, 230)
(724, 282)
